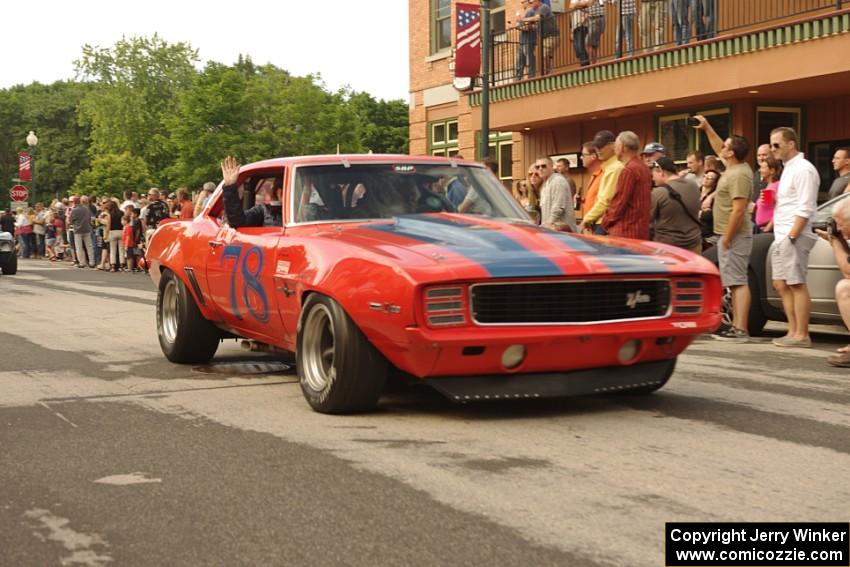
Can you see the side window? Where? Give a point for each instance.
(264, 188)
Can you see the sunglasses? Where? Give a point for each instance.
(775, 146)
(541, 166)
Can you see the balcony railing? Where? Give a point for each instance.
(629, 28)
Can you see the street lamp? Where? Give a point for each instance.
(32, 142)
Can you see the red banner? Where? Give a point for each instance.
(468, 40)
(24, 169)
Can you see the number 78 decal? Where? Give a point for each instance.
(250, 284)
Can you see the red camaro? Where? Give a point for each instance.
(426, 268)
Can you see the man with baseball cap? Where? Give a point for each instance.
(675, 207)
(651, 152)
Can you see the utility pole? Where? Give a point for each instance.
(486, 36)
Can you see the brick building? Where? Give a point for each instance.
(749, 66)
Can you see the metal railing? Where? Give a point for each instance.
(629, 28)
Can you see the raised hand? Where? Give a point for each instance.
(230, 170)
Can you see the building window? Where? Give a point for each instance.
(770, 117)
(441, 25)
(443, 136)
(680, 139)
(501, 149)
(497, 16)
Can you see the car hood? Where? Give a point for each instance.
(465, 247)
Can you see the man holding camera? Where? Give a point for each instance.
(837, 233)
(796, 203)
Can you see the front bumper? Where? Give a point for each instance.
(646, 376)
(478, 351)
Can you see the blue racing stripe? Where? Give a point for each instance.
(620, 260)
(500, 255)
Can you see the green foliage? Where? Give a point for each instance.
(384, 124)
(112, 174)
(137, 83)
(50, 110)
(140, 114)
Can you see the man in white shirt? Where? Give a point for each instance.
(796, 203)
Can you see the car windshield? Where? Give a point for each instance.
(382, 191)
(825, 211)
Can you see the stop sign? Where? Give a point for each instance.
(19, 193)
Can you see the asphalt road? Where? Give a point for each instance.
(110, 455)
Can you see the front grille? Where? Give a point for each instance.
(569, 302)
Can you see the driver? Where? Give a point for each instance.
(264, 214)
(432, 197)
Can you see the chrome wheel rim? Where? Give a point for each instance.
(726, 306)
(169, 310)
(318, 349)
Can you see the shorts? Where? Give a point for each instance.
(595, 27)
(50, 242)
(550, 44)
(790, 262)
(734, 261)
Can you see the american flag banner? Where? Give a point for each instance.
(468, 40)
(24, 169)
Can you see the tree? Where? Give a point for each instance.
(136, 88)
(112, 174)
(51, 111)
(383, 124)
(255, 113)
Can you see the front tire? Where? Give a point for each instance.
(339, 369)
(184, 335)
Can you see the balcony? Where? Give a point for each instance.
(645, 39)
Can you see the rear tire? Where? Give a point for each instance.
(184, 335)
(10, 268)
(756, 319)
(339, 369)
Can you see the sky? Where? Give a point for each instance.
(349, 42)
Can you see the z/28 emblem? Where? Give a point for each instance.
(632, 299)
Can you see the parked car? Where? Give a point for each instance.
(374, 275)
(8, 258)
(821, 280)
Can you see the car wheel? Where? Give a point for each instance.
(10, 268)
(184, 335)
(339, 369)
(756, 320)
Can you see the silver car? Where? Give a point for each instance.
(823, 276)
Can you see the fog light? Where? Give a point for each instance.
(628, 351)
(513, 356)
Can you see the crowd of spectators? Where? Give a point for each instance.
(539, 35)
(103, 232)
(710, 201)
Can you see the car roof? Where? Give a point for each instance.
(355, 159)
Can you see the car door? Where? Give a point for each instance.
(240, 270)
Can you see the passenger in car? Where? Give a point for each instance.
(263, 214)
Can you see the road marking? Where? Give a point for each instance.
(54, 528)
(128, 479)
(57, 414)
